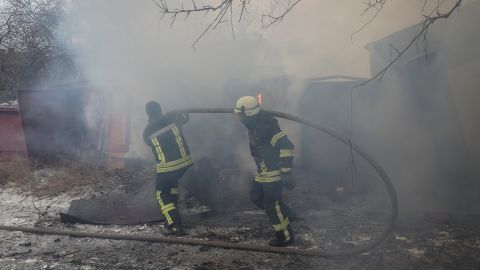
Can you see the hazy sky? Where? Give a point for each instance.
(315, 39)
(125, 43)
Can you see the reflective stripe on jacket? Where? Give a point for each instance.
(165, 136)
(270, 147)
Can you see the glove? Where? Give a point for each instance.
(288, 181)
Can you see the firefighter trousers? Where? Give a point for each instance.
(166, 185)
(268, 196)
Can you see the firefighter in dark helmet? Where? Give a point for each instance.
(165, 136)
(273, 155)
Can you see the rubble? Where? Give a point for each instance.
(213, 188)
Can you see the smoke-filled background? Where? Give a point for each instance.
(421, 126)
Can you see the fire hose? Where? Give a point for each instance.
(248, 247)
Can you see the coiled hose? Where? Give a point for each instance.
(227, 245)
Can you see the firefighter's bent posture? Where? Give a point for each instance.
(273, 154)
(165, 136)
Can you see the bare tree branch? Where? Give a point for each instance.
(162, 4)
(231, 21)
(424, 5)
(372, 4)
(243, 4)
(218, 19)
(42, 214)
(220, 13)
(221, 8)
(30, 44)
(268, 19)
(6, 26)
(425, 25)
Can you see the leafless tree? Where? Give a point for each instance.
(6, 22)
(29, 45)
(222, 12)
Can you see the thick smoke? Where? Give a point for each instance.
(124, 49)
(419, 123)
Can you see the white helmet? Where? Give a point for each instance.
(250, 105)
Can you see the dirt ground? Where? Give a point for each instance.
(328, 223)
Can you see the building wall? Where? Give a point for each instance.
(424, 125)
(12, 140)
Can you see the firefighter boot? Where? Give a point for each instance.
(174, 230)
(283, 238)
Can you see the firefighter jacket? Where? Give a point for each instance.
(165, 136)
(271, 149)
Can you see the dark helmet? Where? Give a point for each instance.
(153, 109)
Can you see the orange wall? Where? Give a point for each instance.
(12, 139)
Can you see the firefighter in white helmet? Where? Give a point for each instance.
(273, 154)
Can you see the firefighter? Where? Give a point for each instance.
(273, 155)
(165, 136)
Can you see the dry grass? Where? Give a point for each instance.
(63, 176)
(17, 170)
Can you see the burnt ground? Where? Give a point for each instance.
(329, 222)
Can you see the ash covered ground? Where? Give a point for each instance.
(329, 222)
